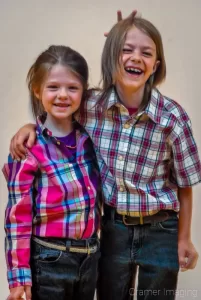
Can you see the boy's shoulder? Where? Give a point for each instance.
(93, 96)
(171, 108)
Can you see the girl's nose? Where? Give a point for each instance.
(63, 94)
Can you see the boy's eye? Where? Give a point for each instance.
(147, 53)
(127, 50)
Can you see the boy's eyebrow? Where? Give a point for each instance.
(143, 47)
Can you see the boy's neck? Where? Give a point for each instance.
(59, 128)
(130, 98)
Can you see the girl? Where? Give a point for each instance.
(52, 216)
(148, 161)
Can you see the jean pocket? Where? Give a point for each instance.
(44, 254)
(170, 225)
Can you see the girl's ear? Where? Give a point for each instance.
(37, 94)
(157, 63)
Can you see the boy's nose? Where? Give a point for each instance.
(136, 57)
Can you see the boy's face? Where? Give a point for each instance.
(61, 93)
(138, 60)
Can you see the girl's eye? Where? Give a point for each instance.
(74, 88)
(52, 87)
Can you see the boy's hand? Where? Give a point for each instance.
(119, 18)
(25, 134)
(18, 292)
(188, 255)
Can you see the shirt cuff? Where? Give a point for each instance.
(19, 277)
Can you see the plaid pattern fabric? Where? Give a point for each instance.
(143, 159)
(50, 195)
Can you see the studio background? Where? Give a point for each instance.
(27, 27)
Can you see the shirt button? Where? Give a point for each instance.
(89, 188)
(120, 157)
(90, 215)
(126, 126)
(58, 143)
(121, 189)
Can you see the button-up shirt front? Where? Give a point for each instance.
(143, 158)
(52, 193)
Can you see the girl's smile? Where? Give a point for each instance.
(61, 95)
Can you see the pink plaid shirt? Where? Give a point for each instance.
(51, 194)
(143, 159)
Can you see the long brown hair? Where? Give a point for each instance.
(110, 64)
(42, 66)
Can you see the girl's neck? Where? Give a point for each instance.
(130, 98)
(59, 128)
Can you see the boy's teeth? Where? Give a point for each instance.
(133, 70)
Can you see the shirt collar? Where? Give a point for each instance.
(42, 130)
(155, 106)
(153, 110)
(113, 99)
(40, 127)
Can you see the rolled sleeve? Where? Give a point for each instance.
(187, 165)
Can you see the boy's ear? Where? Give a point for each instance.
(156, 66)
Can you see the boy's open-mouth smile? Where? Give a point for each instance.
(134, 71)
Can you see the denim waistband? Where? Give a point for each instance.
(70, 242)
(162, 215)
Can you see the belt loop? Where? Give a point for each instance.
(88, 247)
(68, 244)
(141, 220)
(112, 212)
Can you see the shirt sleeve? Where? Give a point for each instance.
(187, 167)
(18, 218)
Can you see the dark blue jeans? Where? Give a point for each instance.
(151, 248)
(59, 275)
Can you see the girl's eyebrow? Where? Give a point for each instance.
(54, 81)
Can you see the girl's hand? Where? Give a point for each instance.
(18, 292)
(188, 255)
(119, 18)
(17, 148)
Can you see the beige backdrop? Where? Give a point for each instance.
(28, 26)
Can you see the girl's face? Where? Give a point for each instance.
(138, 60)
(61, 93)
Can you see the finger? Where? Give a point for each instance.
(182, 259)
(28, 292)
(31, 139)
(134, 12)
(119, 15)
(192, 260)
(11, 149)
(17, 149)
